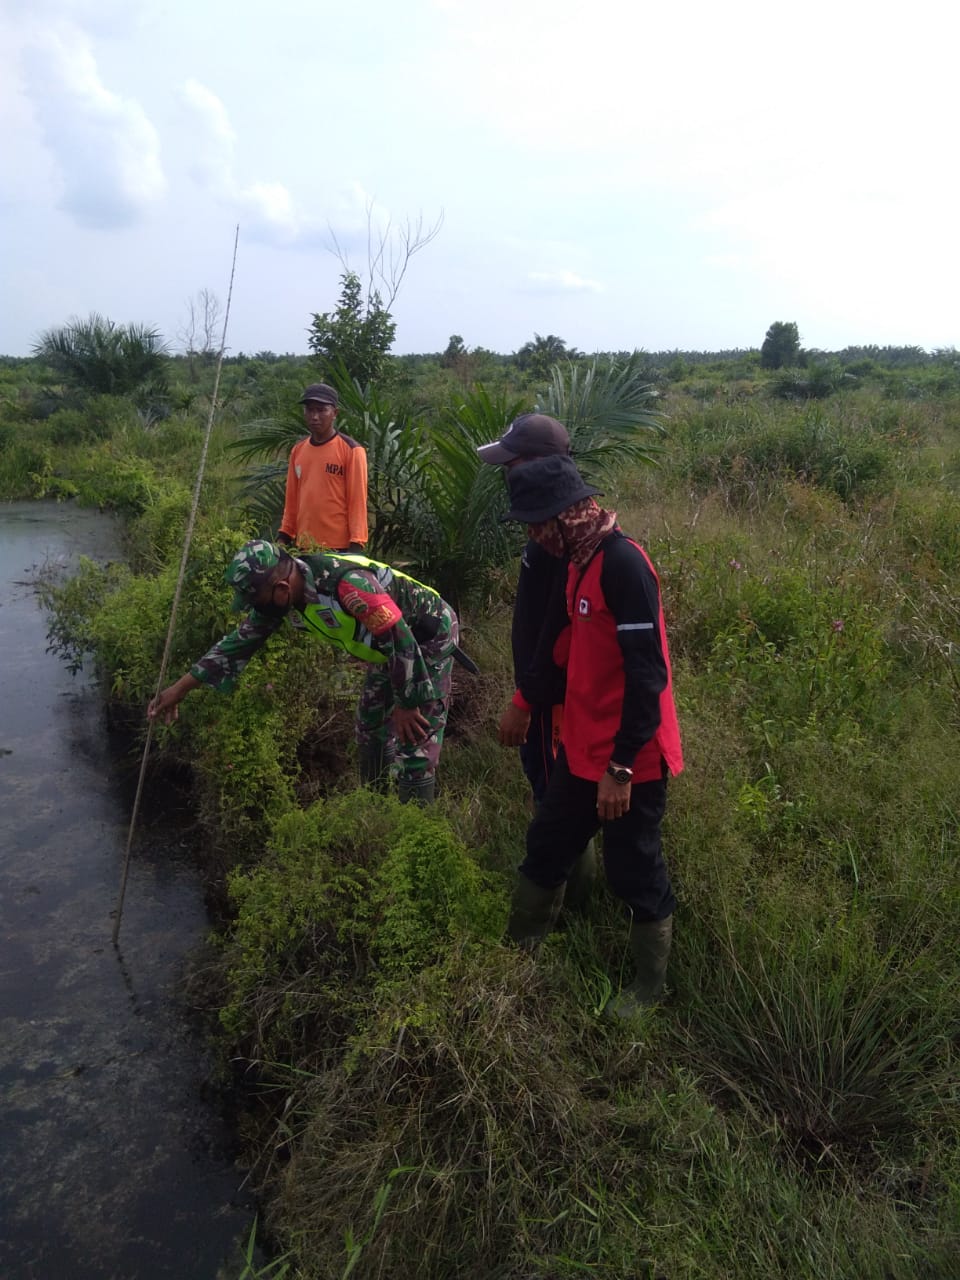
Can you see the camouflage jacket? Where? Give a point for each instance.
(366, 595)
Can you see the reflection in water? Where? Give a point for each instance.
(113, 1164)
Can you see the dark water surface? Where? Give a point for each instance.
(112, 1163)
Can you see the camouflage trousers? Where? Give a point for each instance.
(374, 725)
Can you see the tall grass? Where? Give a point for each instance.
(430, 1103)
(837, 1042)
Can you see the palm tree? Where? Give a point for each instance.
(460, 537)
(537, 356)
(609, 409)
(98, 357)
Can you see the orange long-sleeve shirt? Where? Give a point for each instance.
(326, 495)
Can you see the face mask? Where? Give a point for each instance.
(549, 536)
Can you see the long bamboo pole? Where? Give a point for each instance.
(118, 910)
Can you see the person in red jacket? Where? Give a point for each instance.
(325, 505)
(620, 739)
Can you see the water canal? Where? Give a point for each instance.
(115, 1162)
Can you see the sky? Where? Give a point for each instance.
(622, 175)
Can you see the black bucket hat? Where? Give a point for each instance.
(541, 489)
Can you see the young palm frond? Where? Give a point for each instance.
(261, 492)
(398, 461)
(465, 536)
(267, 437)
(609, 408)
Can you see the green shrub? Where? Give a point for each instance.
(474, 1131)
(172, 439)
(427, 894)
(26, 468)
(814, 382)
(930, 524)
(356, 892)
(98, 419)
(814, 665)
(242, 748)
(749, 456)
(155, 537)
(113, 478)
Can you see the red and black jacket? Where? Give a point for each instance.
(619, 696)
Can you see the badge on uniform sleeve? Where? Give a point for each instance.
(583, 607)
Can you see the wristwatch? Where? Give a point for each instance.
(620, 773)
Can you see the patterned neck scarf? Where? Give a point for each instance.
(576, 532)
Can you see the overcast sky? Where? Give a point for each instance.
(617, 173)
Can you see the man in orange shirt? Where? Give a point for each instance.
(326, 494)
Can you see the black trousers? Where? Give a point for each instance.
(536, 754)
(632, 850)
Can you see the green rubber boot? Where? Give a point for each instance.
(373, 766)
(533, 911)
(650, 948)
(582, 879)
(417, 790)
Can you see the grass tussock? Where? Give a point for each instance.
(463, 1138)
(840, 1045)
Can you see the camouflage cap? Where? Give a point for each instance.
(247, 567)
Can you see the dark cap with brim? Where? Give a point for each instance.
(545, 487)
(532, 435)
(321, 392)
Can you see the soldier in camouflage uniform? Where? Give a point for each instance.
(403, 629)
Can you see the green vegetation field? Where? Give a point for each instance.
(418, 1100)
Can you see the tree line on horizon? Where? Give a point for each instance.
(110, 358)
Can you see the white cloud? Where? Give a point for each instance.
(213, 145)
(562, 282)
(861, 258)
(268, 210)
(702, 95)
(106, 151)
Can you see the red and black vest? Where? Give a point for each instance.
(593, 705)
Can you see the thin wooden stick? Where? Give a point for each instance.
(118, 910)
